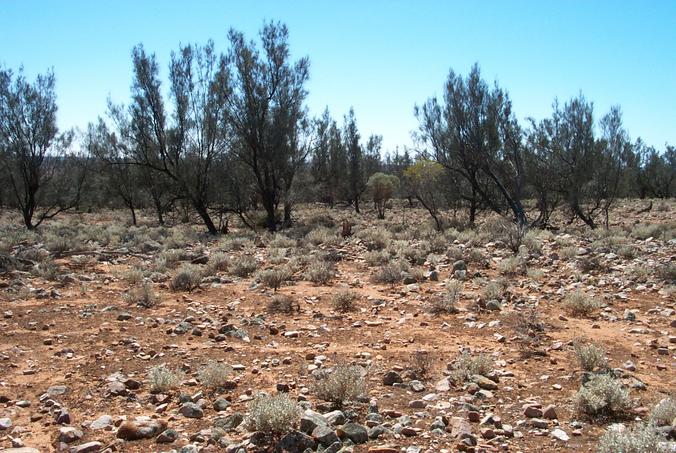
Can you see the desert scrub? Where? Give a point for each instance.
(214, 375)
(281, 303)
(422, 364)
(603, 397)
(243, 266)
(376, 257)
(341, 384)
(320, 272)
(374, 239)
(277, 255)
(187, 278)
(664, 413)
(344, 300)
(141, 296)
(282, 242)
(276, 414)
(590, 356)
(579, 303)
(667, 272)
(162, 379)
(493, 290)
(467, 365)
(233, 244)
(133, 276)
(322, 235)
(218, 262)
(48, 270)
(447, 302)
(275, 277)
(568, 253)
(512, 266)
(642, 438)
(391, 273)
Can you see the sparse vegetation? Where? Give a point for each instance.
(275, 414)
(341, 384)
(187, 278)
(281, 303)
(603, 397)
(320, 272)
(642, 438)
(214, 375)
(590, 356)
(142, 296)
(162, 379)
(448, 301)
(579, 303)
(243, 266)
(344, 300)
(467, 365)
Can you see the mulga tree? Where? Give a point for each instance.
(185, 143)
(473, 133)
(43, 175)
(356, 181)
(267, 113)
(426, 182)
(582, 168)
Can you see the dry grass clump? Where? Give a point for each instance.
(320, 272)
(48, 270)
(512, 266)
(243, 266)
(391, 272)
(275, 277)
(603, 397)
(579, 303)
(422, 364)
(187, 278)
(133, 276)
(214, 375)
(467, 365)
(590, 356)
(344, 300)
(141, 296)
(281, 303)
(376, 257)
(375, 239)
(280, 241)
(494, 290)
(162, 379)
(276, 414)
(447, 302)
(322, 235)
(218, 262)
(341, 384)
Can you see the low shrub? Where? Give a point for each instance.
(142, 296)
(579, 303)
(281, 303)
(642, 438)
(276, 414)
(214, 375)
(187, 278)
(341, 384)
(603, 397)
(447, 302)
(162, 379)
(320, 272)
(243, 266)
(344, 300)
(590, 356)
(467, 365)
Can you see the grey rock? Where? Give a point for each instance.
(311, 420)
(391, 378)
(167, 436)
(191, 410)
(334, 418)
(230, 422)
(325, 436)
(89, 447)
(68, 434)
(221, 404)
(102, 422)
(355, 432)
(5, 423)
(295, 442)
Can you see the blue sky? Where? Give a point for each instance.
(382, 57)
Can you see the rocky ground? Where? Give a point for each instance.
(90, 307)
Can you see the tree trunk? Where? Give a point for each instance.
(356, 204)
(287, 215)
(206, 218)
(133, 214)
(269, 205)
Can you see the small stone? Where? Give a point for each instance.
(549, 412)
(69, 434)
(560, 434)
(5, 423)
(295, 441)
(167, 436)
(102, 422)
(191, 410)
(221, 404)
(391, 378)
(532, 412)
(89, 447)
(353, 431)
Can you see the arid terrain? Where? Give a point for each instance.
(140, 339)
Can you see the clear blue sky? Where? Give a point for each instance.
(381, 57)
